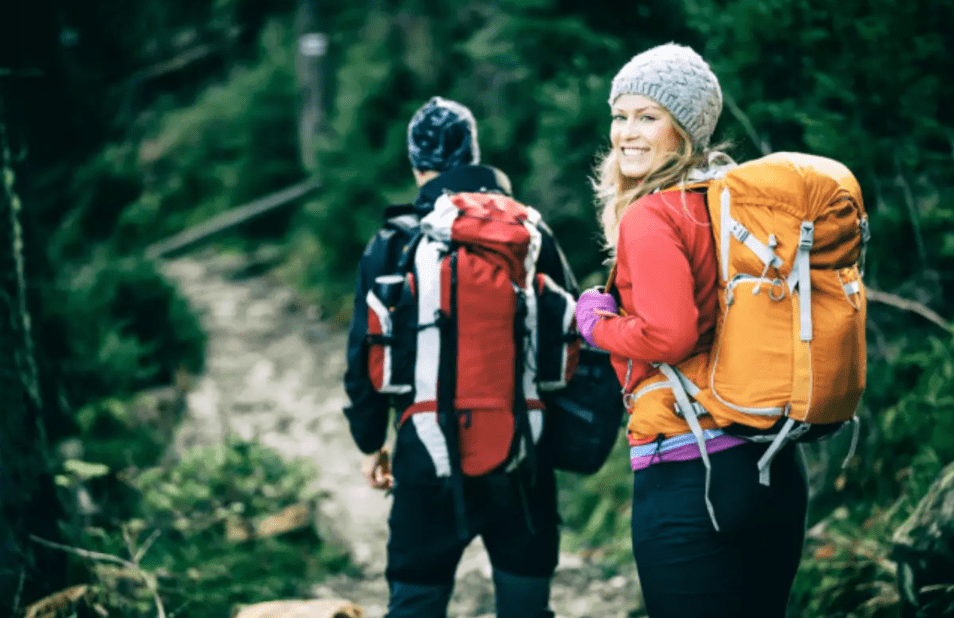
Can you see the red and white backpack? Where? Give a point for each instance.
(470, 333)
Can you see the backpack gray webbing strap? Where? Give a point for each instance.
(765, 461)
(787, 433)
(801, 276)
(680, 385)
(855, 430)
(731, 227)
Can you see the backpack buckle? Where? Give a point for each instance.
(780, 285)
(806, 237)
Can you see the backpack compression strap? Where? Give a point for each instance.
(446, 395)
(683, 389)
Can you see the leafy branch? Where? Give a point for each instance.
(133, 565)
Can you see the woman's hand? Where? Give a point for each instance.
(377, 469)
(592, 306)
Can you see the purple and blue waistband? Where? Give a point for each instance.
(680, 448)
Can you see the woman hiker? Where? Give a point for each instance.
(664, 105)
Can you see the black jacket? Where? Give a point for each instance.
(368, 411)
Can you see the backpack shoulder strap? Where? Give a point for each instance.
(401, 218)
(405, 221)
(610, 288)
(610, 279)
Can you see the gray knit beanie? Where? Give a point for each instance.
(679, 79)
(442, 135)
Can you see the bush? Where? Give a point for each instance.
(182, 540)
(118, 327)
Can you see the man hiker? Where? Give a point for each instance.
(438, 506)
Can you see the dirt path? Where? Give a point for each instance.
(274, 374)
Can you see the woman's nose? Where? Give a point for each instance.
(629, 128)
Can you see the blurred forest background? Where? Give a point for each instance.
(124, 123)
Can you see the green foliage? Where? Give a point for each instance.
(179, 534)
(121, 327)
(371, 172)
(847, 570)
(236, 143)
(562, 165)
(114, 437)
(113, 323)
(915, 433)
(924, 416)
(245, 478)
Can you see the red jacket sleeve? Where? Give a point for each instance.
(662, 320)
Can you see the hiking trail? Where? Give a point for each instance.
(274, 373)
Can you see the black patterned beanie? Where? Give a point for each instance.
(679, 79)
(442, 135)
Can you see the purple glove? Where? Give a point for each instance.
(586, 319)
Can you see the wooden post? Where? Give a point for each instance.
(309, 68)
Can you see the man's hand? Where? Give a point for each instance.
(377, 469)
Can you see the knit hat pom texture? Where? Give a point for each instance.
(442, 135)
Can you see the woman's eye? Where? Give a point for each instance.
(618, 118)
(647, 118)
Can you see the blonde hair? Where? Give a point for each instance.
(615, 193)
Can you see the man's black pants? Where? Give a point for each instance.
(517, 520)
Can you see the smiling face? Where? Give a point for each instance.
(643, 135)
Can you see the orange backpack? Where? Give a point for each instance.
(788, 357)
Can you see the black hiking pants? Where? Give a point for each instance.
(424, 547)
(689, 570)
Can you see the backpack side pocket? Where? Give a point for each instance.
(830, 369)
(558, 344)
(584, 419)
(392, 331)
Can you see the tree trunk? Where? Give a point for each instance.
(28, 504)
